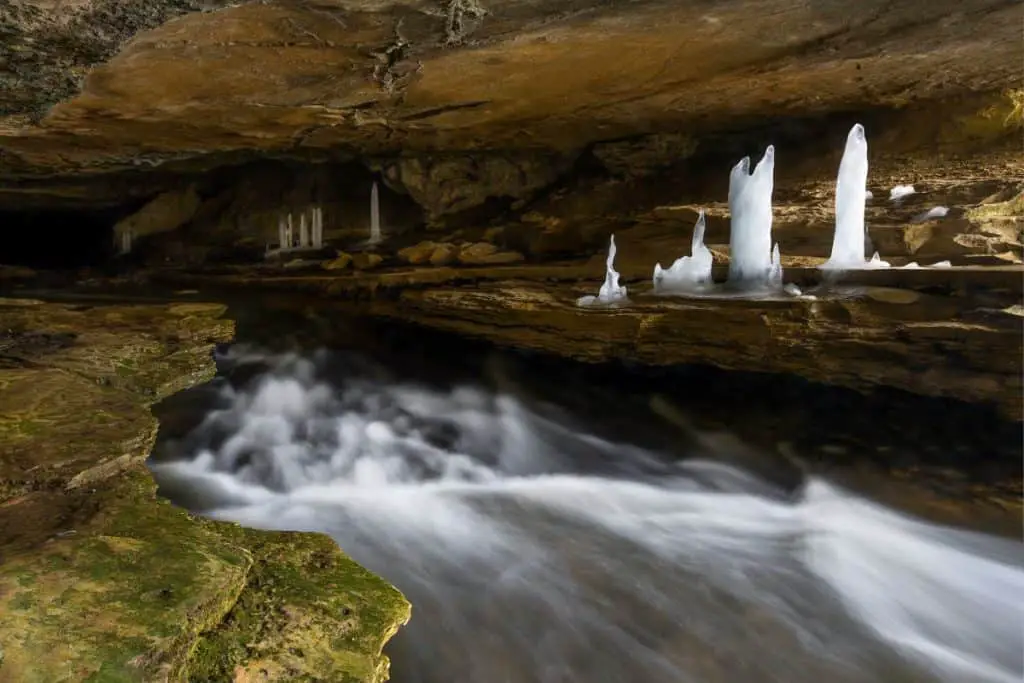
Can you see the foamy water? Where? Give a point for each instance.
(534, 551)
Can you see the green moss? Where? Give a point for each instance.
(309, 609)
(142, 590)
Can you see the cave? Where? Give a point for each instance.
(60, 239)
(246, 436)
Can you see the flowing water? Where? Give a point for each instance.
(538, 546)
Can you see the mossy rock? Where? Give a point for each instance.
(102, 582)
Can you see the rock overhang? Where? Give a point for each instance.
(423, 77)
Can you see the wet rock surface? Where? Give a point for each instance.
(101, 580)
(943, 332)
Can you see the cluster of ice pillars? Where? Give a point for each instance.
(754, 262)
(301, 234)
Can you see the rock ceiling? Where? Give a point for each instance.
(163, 82)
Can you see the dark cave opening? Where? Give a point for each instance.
(60, 239)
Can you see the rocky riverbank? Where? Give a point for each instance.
(99, 579)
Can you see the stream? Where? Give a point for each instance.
(541, 542)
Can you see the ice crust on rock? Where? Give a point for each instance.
(931, 214)
(900, 191)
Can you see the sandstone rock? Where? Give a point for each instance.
(366, 260)
(472, 253)
(166, 212)
(448, 184)
(418, 254)
(16, 272)
(149, 592)
(459, 123)
(483, 253)
(341, 262)
(1002, 219)
(929, 345)
(891, 295)
(644, 156)
(444, 254)
(493, 234)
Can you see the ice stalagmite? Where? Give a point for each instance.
(610, 291)
(375, 233)
(750, 232)
(688, 272)
(851, 188)
(851, 194)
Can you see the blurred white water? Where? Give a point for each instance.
(533, 551)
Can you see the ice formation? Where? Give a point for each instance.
(901, 191)
(125, 246)
(876, 262)
(610, 291)
(851, 191)
(310, 235)
(934, 212)
(375, 233)
(851, 195)
(318, 227)
(687, 272)
(868, 194)
(751, 257)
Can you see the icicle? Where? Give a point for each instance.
(610, 291)
(375, 233)
(303, 231)
(775, 273)
(289, 234)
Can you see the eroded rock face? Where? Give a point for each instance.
(449, 184)
(411, 80)
(894, 338)
(168, 211)
(86, 548)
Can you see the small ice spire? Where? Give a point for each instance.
(375, 233)
(688, 271)
(775, 272)
(610, 291)
(126, 242)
